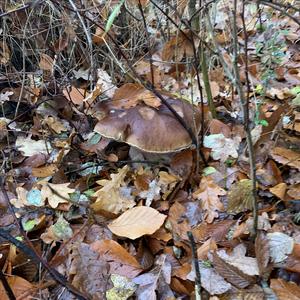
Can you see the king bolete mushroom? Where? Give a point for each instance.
(149, 129)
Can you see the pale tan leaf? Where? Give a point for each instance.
(56, 193)
(136, 222)
(114, 196)
(31, 147)
(209, 193)
(248, 265)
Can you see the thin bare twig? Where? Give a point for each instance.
(8, 290)
(245, 110)
(196, 266)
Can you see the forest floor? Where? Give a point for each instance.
(150, 150)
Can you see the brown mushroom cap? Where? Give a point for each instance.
(149, 129)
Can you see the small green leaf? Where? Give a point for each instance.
(95, 139)
(259, 89)
(229, 162)
(29, 225)
(62, 229)
(263, 123)
(296, 101)
(208, 171)
(113, 15)
(295, 90)
(89, 193)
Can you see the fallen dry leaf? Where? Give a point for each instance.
(20, 287)
(240, 196)
(248, 265)
(209, 193)
(46, 62)
(280, 246)
(136, 222)
(120, 260)
(279, 190)
(211, 281)
(31, 147)
(75, 95)
(286, 157)
(44, 171)
(88, 270)
(114, 196)
(222, 148)
(262, 253)
(285, 290)
(231, 273)
(56, 193)
(55, 124)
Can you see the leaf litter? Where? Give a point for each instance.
(114, 222)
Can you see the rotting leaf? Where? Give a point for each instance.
(240, 196)
(136, 222)
(209, 193)
(122, 290)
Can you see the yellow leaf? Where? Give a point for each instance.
(136, 222)
(209, 193)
